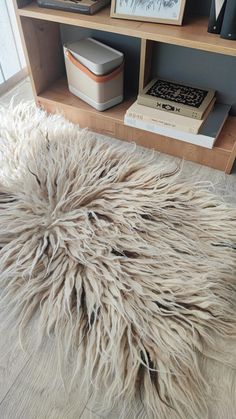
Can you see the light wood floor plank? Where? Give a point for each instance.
(93, 409)
(21, 92)
(12, 361)
(88, 414)
(38, 392)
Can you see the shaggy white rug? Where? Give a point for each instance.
(131, 269)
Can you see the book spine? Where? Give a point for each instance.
(216, 16)
(170, 132)
(162, 122)
(169, 107)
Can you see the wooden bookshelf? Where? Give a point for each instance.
(193, 34)
(40, 29)
(57, 97)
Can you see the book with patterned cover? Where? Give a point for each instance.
(175, 97)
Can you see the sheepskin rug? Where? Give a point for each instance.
(132, 270)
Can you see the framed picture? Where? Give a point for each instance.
(159, 11)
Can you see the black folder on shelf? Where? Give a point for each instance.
(228, 30)
(216, 15)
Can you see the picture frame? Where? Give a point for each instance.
(157, 11)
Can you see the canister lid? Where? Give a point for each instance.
(96, 56)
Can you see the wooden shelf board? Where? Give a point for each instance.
(59, 93)
(193, 34)
(58, 96)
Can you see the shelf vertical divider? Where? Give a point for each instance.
(17, 4)
(44, 51)
(231, 160)
(145, 62)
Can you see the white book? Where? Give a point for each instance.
(207, 136)
(167, 119)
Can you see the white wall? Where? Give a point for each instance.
(11, 54)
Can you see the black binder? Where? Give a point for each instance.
(216, 15)
(228, 30)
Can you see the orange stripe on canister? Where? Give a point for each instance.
(98, 79)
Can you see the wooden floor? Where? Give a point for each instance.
(29, 388)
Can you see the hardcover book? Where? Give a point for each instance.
(88, 7)
(176, 98)
(206, 137)
(167, 119)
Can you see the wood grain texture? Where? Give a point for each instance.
(18, 4)
(38, 391)
(93, 411)
(89, 414)
(232, 158)
(12, 362)
(44, 51)
(193, 34)
(58, 99)
(12, 81)
(148, 18)
(23, 91)
(145, 63)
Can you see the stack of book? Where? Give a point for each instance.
(178, 111)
